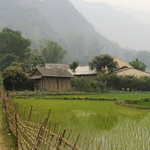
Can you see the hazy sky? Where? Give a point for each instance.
(136, 4)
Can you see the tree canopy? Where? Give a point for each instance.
(13, 75)
(14, 50)
(74, 65)
(137, 64)
(102, 63)
(32, 61)
(52, 52)
(7, 60)
(12, 42)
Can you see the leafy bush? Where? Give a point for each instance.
(88, 84)
(104, 82)
(126, 83)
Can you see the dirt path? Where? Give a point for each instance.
(7, 141)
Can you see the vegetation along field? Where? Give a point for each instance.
(117, 127)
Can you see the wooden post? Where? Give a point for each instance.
(52, 136)
(58, 136)
(16, 121)
(89, 144)
(68, 137)
(41, 132)
(76, 141)
(16, 124)
(60, 139)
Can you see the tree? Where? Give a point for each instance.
(102, 63)
(32, 61)
(144, 57)
(137, 64)
(13, 75)
(12, 42)
(74, 65)
(52, 52)
(14, 50)
(6, 60)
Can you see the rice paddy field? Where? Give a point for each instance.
(115, 127)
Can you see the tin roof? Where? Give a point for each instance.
(84, 70)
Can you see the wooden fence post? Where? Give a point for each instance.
(60, 139)
(76, 141)
(41, 132)
(16, 120)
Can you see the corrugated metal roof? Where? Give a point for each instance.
(54, 72)
(57, 65)
(84, 70)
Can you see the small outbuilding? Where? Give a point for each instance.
(52, 78)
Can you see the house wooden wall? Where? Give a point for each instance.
(47, 83)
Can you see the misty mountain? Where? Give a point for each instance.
(117, 26)
(138, 14)
(57, 20)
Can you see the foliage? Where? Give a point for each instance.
(13, 76)
(15, 51)
(137, 64)
(32, 61)
(7, 59)
(52, 52)
(88, 84)
(103, 62)
(104, 82)
(74, 65)
(144, 57)
(125, 83)
(12, 42)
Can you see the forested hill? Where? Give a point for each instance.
(57, 20)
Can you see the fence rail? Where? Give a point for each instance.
(36, 136)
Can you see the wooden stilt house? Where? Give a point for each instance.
(53, 78)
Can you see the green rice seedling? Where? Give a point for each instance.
(112, 126)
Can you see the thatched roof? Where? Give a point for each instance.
(80, 70)
(132, 72)
(51, 72)
(122, 63)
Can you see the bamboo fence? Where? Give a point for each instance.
(36, 136)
